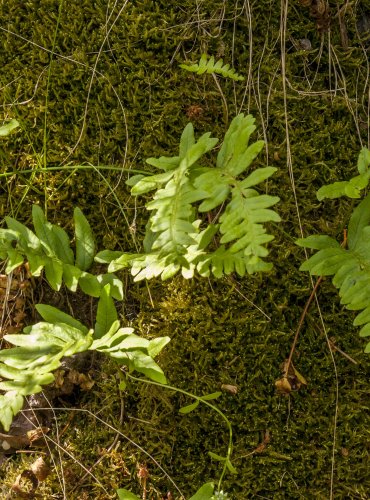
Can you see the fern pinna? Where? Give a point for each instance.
(176, 237)
(350, 267)
(206, 65)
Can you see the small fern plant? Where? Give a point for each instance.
(206, 65)
(39, 350)
(350, 266)
(49, 249)
(177, 238)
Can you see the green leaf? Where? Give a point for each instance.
(122, 385)
(142, 363)
(43, 229)
(230, 467)
(116, 285)
(54, 272)
(156, 345)
(210, 397)
(332, 191)
(319, 263)
(187, 140)
(151, 182)
(15, 259)
(36, 262)
(106, 314)
(205, 492)
(134, 179)
(25, 387)
(125, 343)
(115, 333)
(359, 220)
(11, 403)
(363, 162)
(165, 162)
(123, 261)
(219, 458)
(63, 249)
(53, 315)
(106, 256)
(28, 239)
(89, 284)
(209, 66)
(71, 276)
(85, 245)
(126, 495)
(189, 408)
(258, 176)
(317, 242)
(8, 127)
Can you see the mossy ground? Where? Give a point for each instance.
(223, 331)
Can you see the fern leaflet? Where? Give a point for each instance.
(353, 187)
(206, 65)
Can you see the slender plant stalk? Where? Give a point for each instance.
(198, 398)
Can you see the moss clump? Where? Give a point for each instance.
(137, 107)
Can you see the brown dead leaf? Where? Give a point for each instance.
(283, 386)
(19, 316)
(40, 469)
(37, 434)
(233, 389)
(291, 380)
(85, 382)
(26, 485)
(142, 472)
(10, 442)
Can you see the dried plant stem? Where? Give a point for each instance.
(300, 324)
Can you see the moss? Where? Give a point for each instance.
(218, 335)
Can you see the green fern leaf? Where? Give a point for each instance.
(242, 219)
(175, 239)
(210, 66)
(7, 128)
(11, 403)
(85, 244)
(349, 267)
(172, 221)
(353, 187)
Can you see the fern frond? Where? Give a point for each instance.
(48, 249)
(172, 222)
(175, 239)
(354, 186)
(349, 267)
(38, 352)
(206, 65)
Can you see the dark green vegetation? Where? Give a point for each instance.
(229, 331)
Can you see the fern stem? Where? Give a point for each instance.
(200, 400)
(224, 102)
(300, 324)
(304, 312)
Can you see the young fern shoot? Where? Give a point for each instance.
(206, 65)
(177, 239)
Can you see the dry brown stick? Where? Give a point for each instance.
(300, 324)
